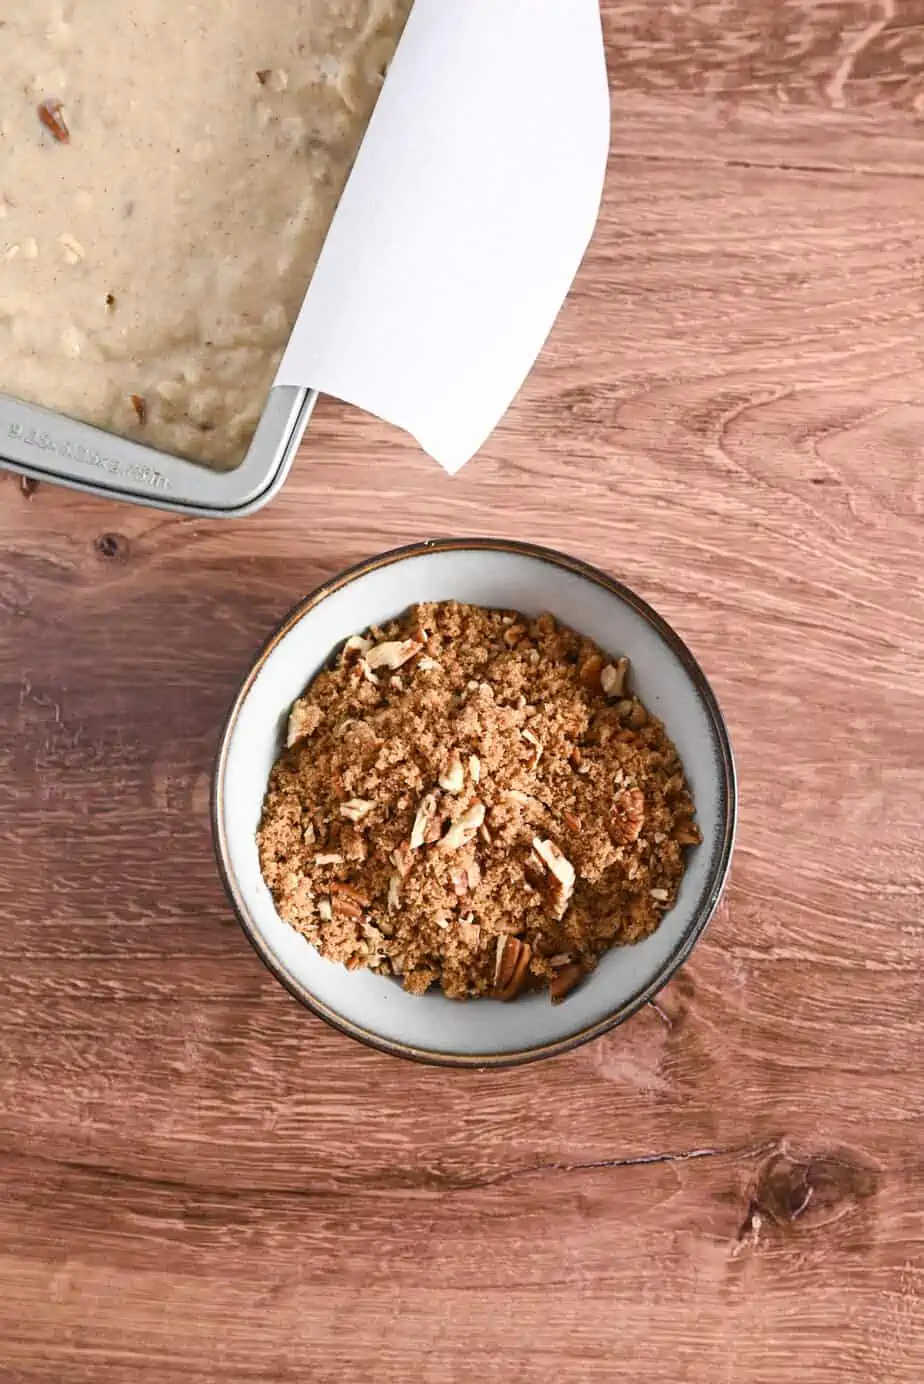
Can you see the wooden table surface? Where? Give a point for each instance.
(200, 1181)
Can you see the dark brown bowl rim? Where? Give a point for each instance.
(720, 864)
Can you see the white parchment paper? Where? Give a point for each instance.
(464, 221)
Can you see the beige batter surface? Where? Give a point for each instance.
(154, 255)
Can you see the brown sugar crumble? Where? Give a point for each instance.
(476, 800)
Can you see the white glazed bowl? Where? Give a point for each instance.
(496, 573)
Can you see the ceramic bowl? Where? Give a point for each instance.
(485, 1032)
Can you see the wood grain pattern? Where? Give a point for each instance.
(202, 1183)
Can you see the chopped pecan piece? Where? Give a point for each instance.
(535, 872)
(348, 894)
(613, 679)
(559, 881)
(686, 833)
(50, 113)
(459, 881)
(638, 717)
(628, 816)
(304, 720)
(471, 932)
(589, 672)
(426, 815)
(452, 779)
(511, 967)
(403, 859)
(394, 653)
(564, 981)
(355, 648)
(465, 829)
(536, 744)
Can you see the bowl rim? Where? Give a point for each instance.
(701, 918)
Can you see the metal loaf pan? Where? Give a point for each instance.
(51, 447)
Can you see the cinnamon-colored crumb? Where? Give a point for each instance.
(462, 804)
